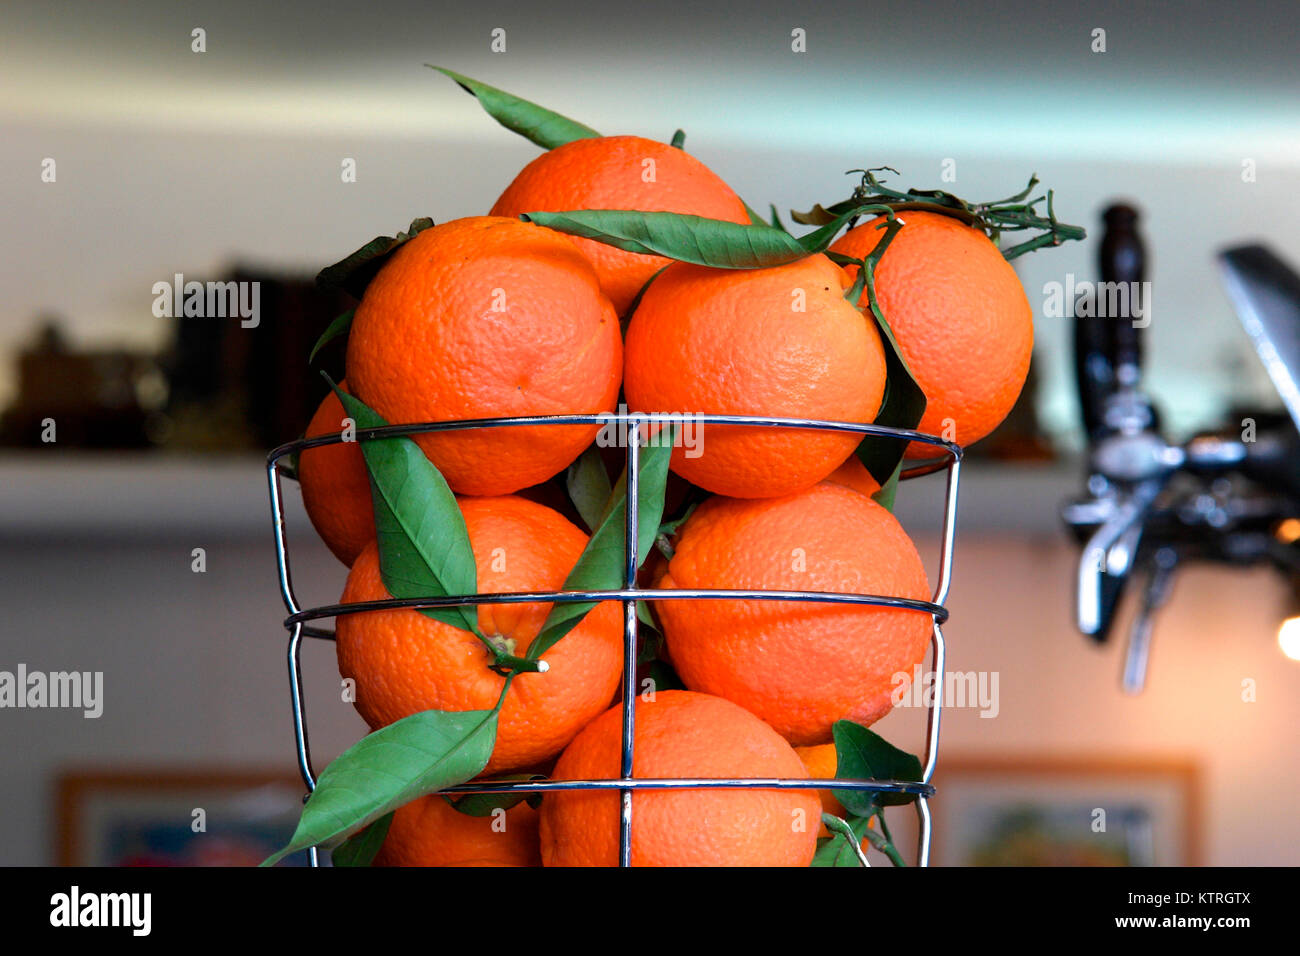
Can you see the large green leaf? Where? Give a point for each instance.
(601, 566)
(544, 127)
(588, 486)
(864, 755)
(424, 548)
(354, 273)
(391, 767)
(362, 847)
(695, 239)
(902, 407)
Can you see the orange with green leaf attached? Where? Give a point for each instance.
(781, 341)
(620, 172)
(960, 317)
(405, 662)
(481, 318)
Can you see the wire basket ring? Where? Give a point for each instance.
(297, 623)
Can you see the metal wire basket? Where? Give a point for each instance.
(299, 625)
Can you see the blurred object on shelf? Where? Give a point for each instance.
(103, 398)
(237, 387)
(1019, 437)
(223, 384)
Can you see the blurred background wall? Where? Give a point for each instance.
(173, 161)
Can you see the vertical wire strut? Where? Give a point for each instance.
(629, 637)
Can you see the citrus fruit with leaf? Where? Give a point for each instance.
(680, 734)
(488, 317)
(960, 316)
(780, 341)
(800, 666)
(404, 661)
(335, 485)
(620, 172)
(429, 831)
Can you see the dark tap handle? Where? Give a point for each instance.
(1123, 261)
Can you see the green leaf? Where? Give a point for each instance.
(837, 850)
(861, 754)
(354, 273)
(889, 490)
(588, 486)
(485, 804)
(776, 219)
(535, 123)
(695, 239)
(601, 566)
(362, 847)
(389, 768)
(754, 218)
(424, 548)
(679, 139)
(664, 676)
(903, 403)
(902, 407)
(338, 327)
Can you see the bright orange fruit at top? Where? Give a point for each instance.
(488, 317)
(620, 172)
(782, 342)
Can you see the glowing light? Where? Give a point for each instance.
(1288, 531)
(1288, 638)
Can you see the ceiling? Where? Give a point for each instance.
(1192, 80)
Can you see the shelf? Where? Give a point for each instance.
(58, 494)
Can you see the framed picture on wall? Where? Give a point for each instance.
(175, 817)
(1063, 811)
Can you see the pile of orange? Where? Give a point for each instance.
(495, 316)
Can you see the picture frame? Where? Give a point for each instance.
(1063, 810)
(174, 817)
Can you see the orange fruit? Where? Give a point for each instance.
(336, 486)
(782, 342)
(682, 734)
(821, 762)
(853, 474)
(620, 172)
(404, 662)
(799, 666)
(961, 318)
(480, 318)
(431, 832)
